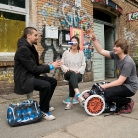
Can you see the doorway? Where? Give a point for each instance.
(109, 36)
(104, 67)
(105, 32)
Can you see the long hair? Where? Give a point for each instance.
(123, 44)
(28, 30)
(78, 41)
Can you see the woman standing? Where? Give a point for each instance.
(73, 68)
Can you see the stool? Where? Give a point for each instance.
(29, 96)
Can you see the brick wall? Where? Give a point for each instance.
(131, 27)
(128, 29)
(33, 13)
(6, 79)
(6, 74)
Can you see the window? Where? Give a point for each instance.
(13, 18)
(16, 3)
(11, 28)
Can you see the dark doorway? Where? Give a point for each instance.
(101, 15)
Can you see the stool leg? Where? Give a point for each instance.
(30, 96)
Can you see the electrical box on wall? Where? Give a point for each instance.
(78, 3)
(51, 32)
(65, 36)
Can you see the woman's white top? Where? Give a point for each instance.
(73, 61)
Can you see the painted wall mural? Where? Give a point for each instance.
(129, 35)
(88, 52)
(133, 40)
(6, 75)
(73, 17)
(65, 15)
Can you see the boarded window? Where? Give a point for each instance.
(11, 29)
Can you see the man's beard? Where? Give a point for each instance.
(34, 43)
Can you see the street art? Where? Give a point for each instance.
(88, 52)
(132, 16)
(75, 17)
(64, 19)
(66, 1)
(47, 10)
(49, 44)
(132, 39)
(129, 35)
(6, 75)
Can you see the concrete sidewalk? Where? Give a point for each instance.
(113, 126)
(74, 123)
(12, 97)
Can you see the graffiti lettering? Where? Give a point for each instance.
(7, 75)
(133, 16)
(129, 35)
(73, 17)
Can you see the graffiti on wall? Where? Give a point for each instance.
(7, 75)
(76, 17)
(73, 17)
(128, 35)
(67, 16)
(132, 39)
(88, 53)
(50, 46)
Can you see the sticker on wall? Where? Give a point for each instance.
(79, 33)
(51, 32)
(78, 3)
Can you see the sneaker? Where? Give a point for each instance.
(80, 99)
(48, 116)
(74, 101)
(51, 108)
(67, 100)
(128, 107)
(69, 106)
